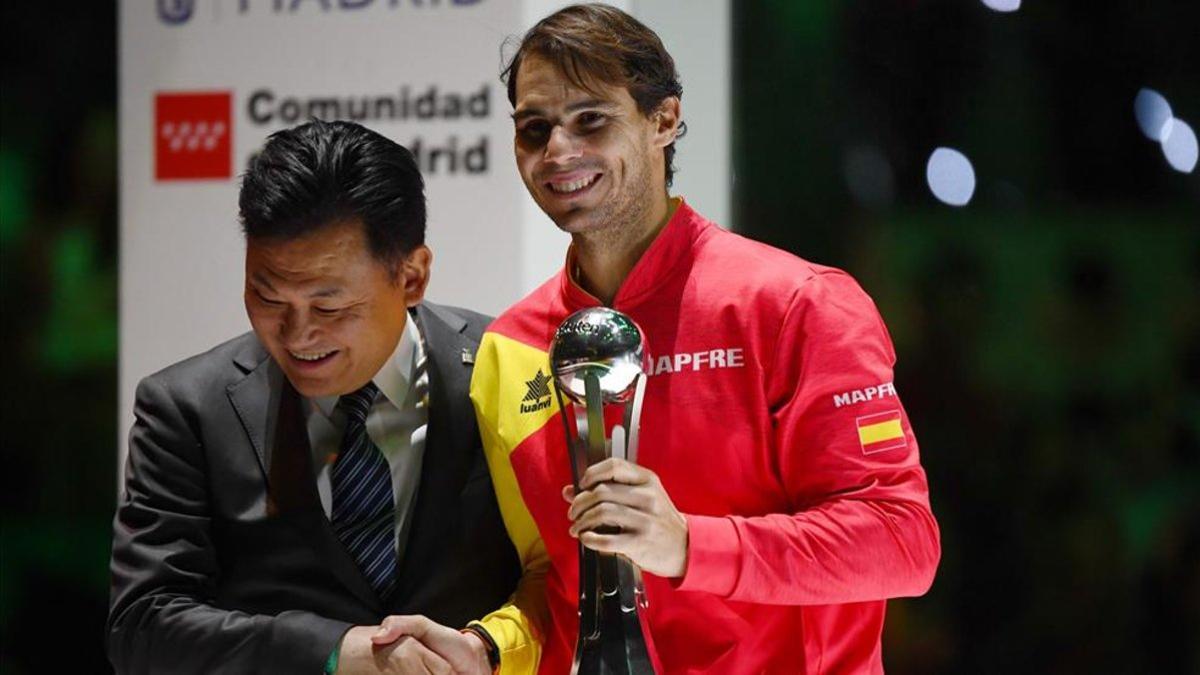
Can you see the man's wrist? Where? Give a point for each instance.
(683, 563)
(346, 649)
(487, 646)
(331, 664)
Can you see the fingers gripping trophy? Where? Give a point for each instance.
(597, 357)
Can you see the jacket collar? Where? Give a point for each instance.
(670, 252)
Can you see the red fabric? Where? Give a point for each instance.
(797, 536)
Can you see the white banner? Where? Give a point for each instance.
(202, 83)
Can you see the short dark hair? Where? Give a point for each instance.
(320, 173)
(599, 43)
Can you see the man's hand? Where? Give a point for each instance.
(638, 518)
(463, 653)
(361, 655)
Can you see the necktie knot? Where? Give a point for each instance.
(357, 404)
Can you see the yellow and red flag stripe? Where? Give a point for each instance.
(881, 431)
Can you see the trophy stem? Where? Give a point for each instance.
(578, 465)
(633, 419)
(595, 419)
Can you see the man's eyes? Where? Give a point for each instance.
(322, 311)
(265, 300)
(535, 130)
(590, 119)
(539, 130)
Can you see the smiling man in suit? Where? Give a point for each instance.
(291, 488)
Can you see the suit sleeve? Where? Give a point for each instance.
(164, 567)
(861, 528)
(519, 625)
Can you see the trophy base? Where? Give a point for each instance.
(614, 644)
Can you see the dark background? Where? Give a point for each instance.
(1048, 332)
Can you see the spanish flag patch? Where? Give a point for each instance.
(881, 431)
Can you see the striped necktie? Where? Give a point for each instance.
(363, 513)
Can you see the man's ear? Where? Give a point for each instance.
(414, 274)
(666, 118)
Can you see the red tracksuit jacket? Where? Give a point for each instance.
(772, 421)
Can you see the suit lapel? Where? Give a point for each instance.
(448, 447)
(255, 399)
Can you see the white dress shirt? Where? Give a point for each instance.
(397, 424)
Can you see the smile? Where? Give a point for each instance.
(311, 356)
(570, 187)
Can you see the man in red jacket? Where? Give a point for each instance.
(779, 501)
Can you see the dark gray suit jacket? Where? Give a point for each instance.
(223, 559)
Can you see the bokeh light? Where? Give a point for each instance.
(1003, 5)
(1179, 145)
(950, 176)
(1153, 112)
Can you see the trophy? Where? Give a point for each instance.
(597, 358)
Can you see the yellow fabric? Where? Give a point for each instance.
(504, 369)
(882, 431)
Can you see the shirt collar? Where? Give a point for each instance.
(669, 250)
(395, 379)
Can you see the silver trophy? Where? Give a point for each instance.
(597, 357)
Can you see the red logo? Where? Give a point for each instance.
(193, 135)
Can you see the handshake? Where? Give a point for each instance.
(412, 644)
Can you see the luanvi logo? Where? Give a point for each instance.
(538, 396)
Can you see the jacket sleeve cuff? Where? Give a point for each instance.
(714, 556)
(303, 642)
(519, 654)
